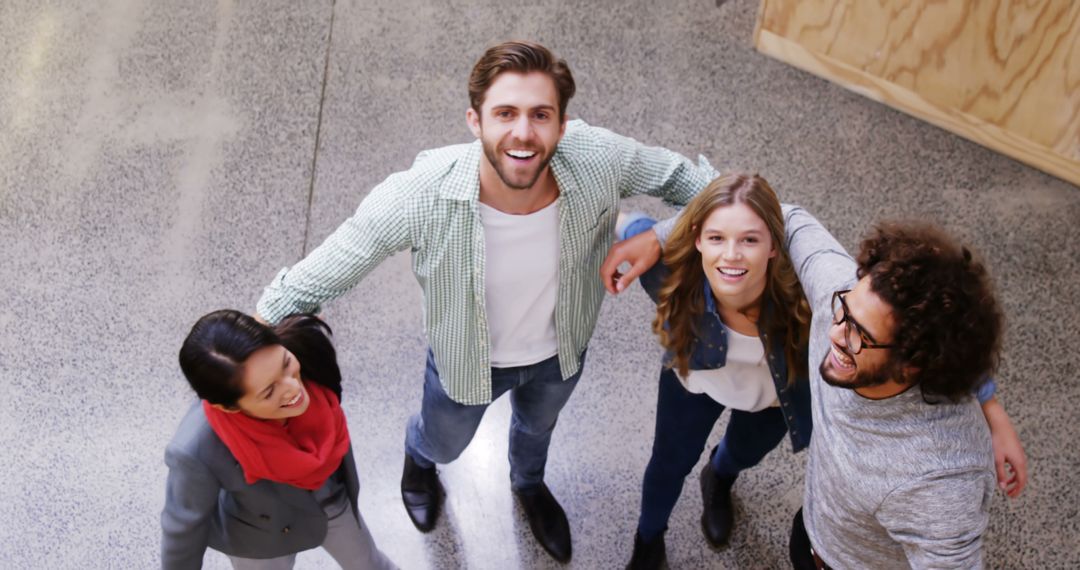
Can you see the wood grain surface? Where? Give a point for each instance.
(1004, 73)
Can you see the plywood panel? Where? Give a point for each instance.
(1004, 73)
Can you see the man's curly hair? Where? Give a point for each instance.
(948, 321)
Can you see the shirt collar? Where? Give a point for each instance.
(560, 169)
(710, 302)
(463, 181)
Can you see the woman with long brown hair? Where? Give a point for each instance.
(734, 322)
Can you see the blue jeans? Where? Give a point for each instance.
(683, 423)
(443, 428)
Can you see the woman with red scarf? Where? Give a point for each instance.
(261, 467)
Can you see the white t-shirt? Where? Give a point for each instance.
(744, 383)
(521, 284)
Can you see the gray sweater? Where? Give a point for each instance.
(889, 483)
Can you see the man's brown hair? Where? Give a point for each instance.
(520, 57)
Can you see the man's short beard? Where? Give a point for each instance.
(493, 159)
(862, 379)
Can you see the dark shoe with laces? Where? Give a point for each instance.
(422, 494)
(651, 555)
(547, 521)
(718, 516)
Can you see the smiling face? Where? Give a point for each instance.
(519, 127)
(735, 247)
(870, 367)
(272, 386)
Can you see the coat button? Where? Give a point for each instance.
(285, 530)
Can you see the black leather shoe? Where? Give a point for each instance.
(422, 494)
(718, 516)
(547, 521)
(648, 555)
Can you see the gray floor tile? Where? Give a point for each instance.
(156, 162)
(156, 165)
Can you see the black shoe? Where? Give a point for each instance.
(422, 494)
(547, 521)
(718, 516)
(649, 555)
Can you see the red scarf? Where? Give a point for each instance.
(303, 453)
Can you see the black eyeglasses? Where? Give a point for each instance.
(855, 336)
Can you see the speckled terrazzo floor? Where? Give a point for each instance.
(160, 160)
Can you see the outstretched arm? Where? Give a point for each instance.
(1009, 457)
(377, 229)
(655, 170)
(658, 172)
(822, 264)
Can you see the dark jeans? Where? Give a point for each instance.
(443, 428)
(683, 423)
(799, 549)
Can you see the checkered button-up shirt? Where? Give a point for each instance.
(432, 210)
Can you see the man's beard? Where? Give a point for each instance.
(492, 153)
(877, 377)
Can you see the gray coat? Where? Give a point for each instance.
(208, 503)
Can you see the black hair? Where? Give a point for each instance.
(214, 352)
(948, 321)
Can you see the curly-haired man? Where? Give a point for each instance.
(901, 469)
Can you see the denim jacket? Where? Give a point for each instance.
(709, 350)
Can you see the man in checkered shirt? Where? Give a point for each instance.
(507, 236)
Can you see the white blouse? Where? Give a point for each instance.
(744, 383)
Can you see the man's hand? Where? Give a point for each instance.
(641, 251)
(1009, 455)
